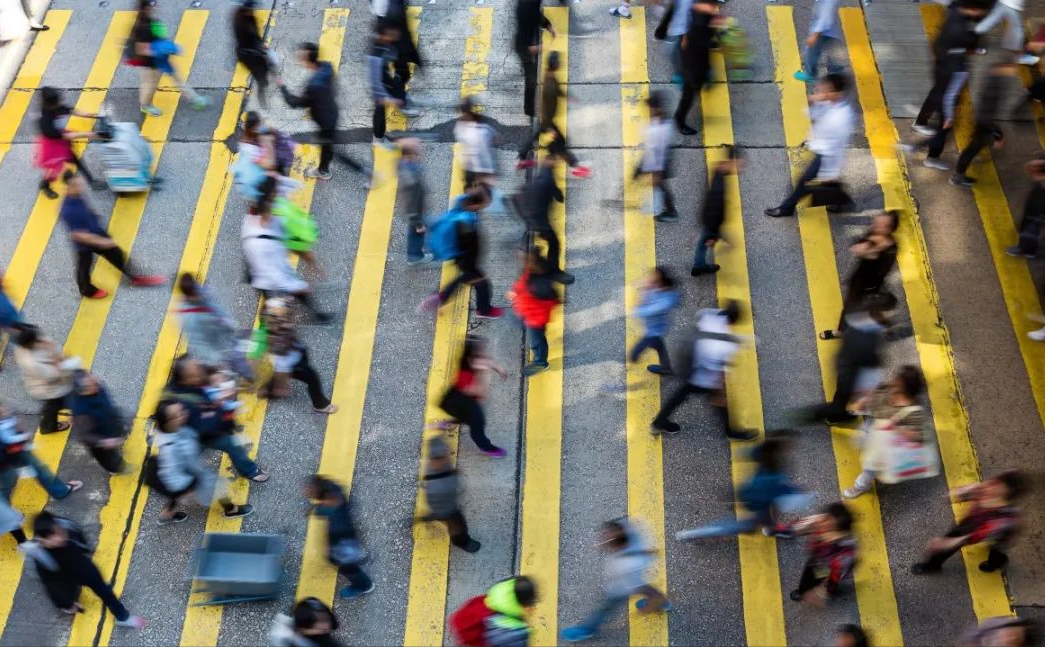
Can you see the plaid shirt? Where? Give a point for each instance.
(835, 557)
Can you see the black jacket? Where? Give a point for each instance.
(956, 38)
(318, 97)
(543, 192)
(992, 101)
(529, 22)
(696, 57)
(714, 213)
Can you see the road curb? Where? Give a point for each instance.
(14, 54)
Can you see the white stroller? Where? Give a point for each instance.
(126, 156)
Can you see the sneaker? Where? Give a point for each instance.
(200, 103)
(779, 532)
(323, 318)
(742, 435)
(533, 368)
(962, 180)
(1028, 59)
(424, 260)
(697, 270)
(1037, 335)
(1015, 250)
(670, 428)
(317, 174)
(686, 130)
(521, 165)
(240, 511)
(134, 622)
(621, 12)
(565, 278)
(348, 592)
(151, 110)
(50, 193)
(936, 163)
(493, 313)
(657, 369)
(409, 111)
(178, 517)
(98, 294)
(148, 280)
(980, 51)
(641, 603)
(430, 303)
(924, 131)
(919, 568)
(987, 567)
(805, 78)
(853, 492)
(581, 171)
(578, 633)
(796, 596)
(777, 212)
(472, 546)
(906, 149)
(496, 452)
(667, 216)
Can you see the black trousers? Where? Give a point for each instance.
(556, 146)
(938, 141)
(49, 413)
(554, 247)
(801, 189)
(258, 65)
(326, 148)
(458, 529)
(691, 85)
(63, 588)
(529, 66)
(303, 372)
(982, 137)
(111, 459)
(398, 91)
(809, 579)
(682, 394)
(469, 274)
(996, 559)
(845, 385)
(80, 166)
(466, 410)
(83, 266)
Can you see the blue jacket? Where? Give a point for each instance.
(655, 310)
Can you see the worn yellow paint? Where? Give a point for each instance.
(874, 583)
(426, 602)
(759, 568)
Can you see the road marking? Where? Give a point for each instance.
(542, 481)
(426, 602)
(759, 568)
(874, 583)
(645, 457)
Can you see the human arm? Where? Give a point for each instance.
(94, 240)
(292, 100)
(950, 96)
(374, 65)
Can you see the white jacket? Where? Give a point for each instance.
(829, 137)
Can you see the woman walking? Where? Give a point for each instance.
(250, 47)
(290, 358)
(463, 400)
(47, 375)
(875, 254)
(150, 51)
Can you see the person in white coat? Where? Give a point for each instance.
(16, 21)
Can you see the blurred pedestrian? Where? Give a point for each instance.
(848, 635)
(658, 298)
(290, 358)
(150, 49)
(1001, 631)
(476, 137)
(499, 618)
(54, 144)
(343, 548)
(552, 96)
(696, 59)
(17, 454)
(98, 423)
(832, 127)
(209, 331)
(311, 624)
(831, 550)
(950, 49)
(412, 191)
(825, 37)
(440, 485)
(543, 192)
(656, 159)
(533, 299)
(387, 89)
(629, 557)
(62, 557)
(989, 112)
(47, 375)
(1033, 215)
(529, 21)
(251, 50)
(319, 99)
(463, 400)
(13, 21)
(990, 515)
(713, 215)
(673, 25)
(11, 521)
(1014, 40)
(394, 13)
(10, 317)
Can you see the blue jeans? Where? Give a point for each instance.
(225, 443)
(656, 342)
(813, 54)
(602, 613)
(55, 487)
(9, 314)
(415, 243)
(538, 344)
(704, 255)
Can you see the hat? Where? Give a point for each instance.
(437, 447)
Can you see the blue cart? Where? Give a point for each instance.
(238, 567)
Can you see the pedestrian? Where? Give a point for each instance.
(47, 375)
(311, 624)
(950, 53)
(533, 299)
(623, 10)
(953, 71)
(673, 25)
(11, 521)
(251, 50)
(150, 49)
(552, 96)
(696, 59)
(319, 99)
(213, 429)
(394, 13)
(290, 358)
(413, 192)
(832, 127)
(875, 254)
(177, 470)
(498, 618)
(16, 22)
(657, 300)
(895, 422)
(831, 553)
(463, 400)
(89, 239)
(63, 560)
(10, 317)
(529, 21)
(1001, 631)
(343, 547)
(713, 347)
(849, 635)
(209, 331)
(17, 454)
(990, 515)
(387, 89)
(543, 193)
(1033, 215)
(1013, 41)
(629, 558)
(713, 215)
(98, 423)
(54, 144)
(989, 113)
(656, 159)
(440, 484)
(264, 152)
(476, 136)
(825, 37)
(459, 227)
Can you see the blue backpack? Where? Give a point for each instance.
(441, 239)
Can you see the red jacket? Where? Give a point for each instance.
(534, 312)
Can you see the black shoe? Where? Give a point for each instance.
(962, 180)
(669, 428)
(666, 216)
(564, 278)
(323, 318)
(657, 369)
(686, 130)
(49, 192)
(796, 596)
(841, 208)
(987, 567)
(777, 212)
(472, 546)
(922, 569)
(840, 420)
(742, 434)
(177, 517)
(240, 511)
(697, 270)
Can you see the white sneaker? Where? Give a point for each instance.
(1037, 335)
(622, 11)
(924, 131)
(384, 142)
(1028, 59)
(936, 163)
(135, 622)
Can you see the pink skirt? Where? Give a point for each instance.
(51, 156)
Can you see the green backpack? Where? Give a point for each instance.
(300, 229)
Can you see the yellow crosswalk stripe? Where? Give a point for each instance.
(645, 457)
(426, 602)
(759, 569)
(874, 583)
(542, 481)
(20, 95)
(989, 597)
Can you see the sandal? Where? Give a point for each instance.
(828, 335)
(260, 477)
(73, 487)
(329, 409)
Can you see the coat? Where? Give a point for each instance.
(44, 378)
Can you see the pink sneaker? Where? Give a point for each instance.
(147, 280)
(496, 452)
(430, 303)
(581, 172)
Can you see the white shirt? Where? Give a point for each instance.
(267, 257)
(476, 139)
(710, 356)
(829, 137)
(659, 135)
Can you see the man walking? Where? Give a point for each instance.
(950, 50)
(825, 36)
(989, 112)
(318, 98)
(695, 58)
(529, 21)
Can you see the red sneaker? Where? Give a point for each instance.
(148, 280)
(493, 313)
(524, 164)
(98, 294)
(580, 171)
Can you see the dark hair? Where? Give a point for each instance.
(732, 153)
(911, 380)
(145, 4)
(251, 121)
(311, 51)
(855, 632)
(554, 61)
(467, 106)
(771, 453)
(1014, 482)
(323, 486)
(732, 311)
(525, 591)
(655, 100)
(28, 335)
(309, 611)
(838, 81)
(840, 514)
(180, 367)
(188, 285)
(161, 417)
(384, 25)
(266, 194)
(664, 277)
(619, 531)
(472, 346)
(894, 219)
(68, 175)
(476, 197)
(44, 525)
(50, 97)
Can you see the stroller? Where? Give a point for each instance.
(126, 157)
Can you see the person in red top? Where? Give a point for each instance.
(462, 400)
(533, 298)
(992, 517)
(831, 550)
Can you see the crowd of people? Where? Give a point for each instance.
(198, 407)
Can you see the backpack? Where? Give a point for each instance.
(441, 238)
(300, 229)
(12, 442)
(468, 624)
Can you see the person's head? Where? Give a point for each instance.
(836, 518)
(474, 347)
(267, 192)
(655, 101)
(386, 32)
(146, 8)
(314, 618)
(774, 450)
(525, 591)
(50, 97)
(75, 185)
(731, 161)
(732, 311)
(188, 372)
(468, 109)
(974, 9)
(850, 636)
(48, 532)
(245, 9)
(833, 86)
(885, 223)
(87, 383)
(322, 490)
(28, 336)
(660, 278)
(251, 125)
(614, 536)
(170, 416)
(189, 287)
(307, 55)
(1009, 485)
(908, 382)
(554, 61)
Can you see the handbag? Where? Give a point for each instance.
(902, 459)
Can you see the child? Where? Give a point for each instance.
(832, 553)
(714, 214)
(412, 188)
(655, 159)
(533, 299)
(657, 299)
(440, 485)
(343, 548)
